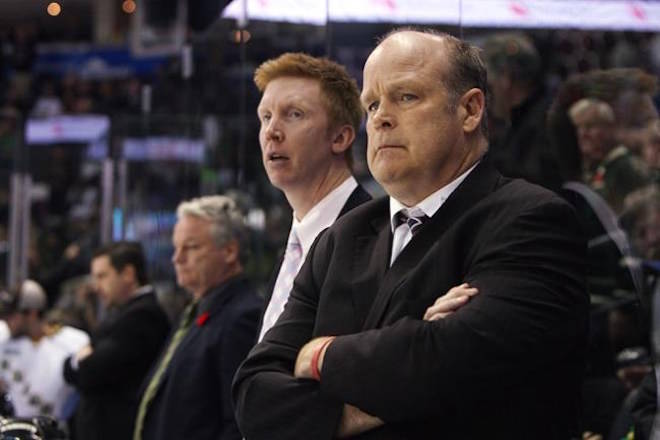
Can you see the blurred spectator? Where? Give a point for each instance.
(629, 93)
(48, 104)
(609, 168)
(584, 119)
(519, 102)
(641, 220)
(633, 104)
(215, 332)
(109, 372)
(77, 304)
(32, 359)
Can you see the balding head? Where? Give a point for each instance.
(415, 42)
(459, 69)
(425, 103)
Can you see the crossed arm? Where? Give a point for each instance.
(527, 316)
(302, 411)
(353, 420)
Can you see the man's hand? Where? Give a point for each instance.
(303, 367)
(354, 421)
(447, 304)
(83, 353)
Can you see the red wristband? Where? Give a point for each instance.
(316, 374)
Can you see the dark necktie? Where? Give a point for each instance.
(184, 325)
(413, 222)
(404, 221)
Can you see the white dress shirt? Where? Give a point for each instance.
(429, 206)
(320, 217)
(323, 214)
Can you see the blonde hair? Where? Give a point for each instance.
(340, 90)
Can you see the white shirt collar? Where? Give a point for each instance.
(322, 215)
(432, 203)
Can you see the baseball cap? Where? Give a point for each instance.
(31, 296)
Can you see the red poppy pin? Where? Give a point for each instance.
(201, 319)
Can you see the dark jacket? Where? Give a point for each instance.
(193, 400)
(505, 366)
(125, 347)
(357, 197)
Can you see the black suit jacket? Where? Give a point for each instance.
(506, 365)
(356, 198)
(193, 400)
(109, 379)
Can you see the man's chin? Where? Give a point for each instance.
(185, 284)
(279, 181)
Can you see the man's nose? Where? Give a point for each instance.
(383, 117)
(176, 256)
(274, 131)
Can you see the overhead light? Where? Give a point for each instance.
(128, 6)
(54, 9)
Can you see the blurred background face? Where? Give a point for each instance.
(635, 111)
(108, 282)
(595, 135)
(199, 263)
(646, 234)
(17, 322)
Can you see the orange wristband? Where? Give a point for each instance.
(316, 374)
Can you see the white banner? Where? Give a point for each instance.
(577, 14)
(66, 129)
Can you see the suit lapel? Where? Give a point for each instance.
(369, 268)
(477, 185)
(221, 296)
(271, 285)
(357, 197)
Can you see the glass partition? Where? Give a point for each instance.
(185, 127)
(10, 132)
(65, 159)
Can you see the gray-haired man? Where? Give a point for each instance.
(187, 394)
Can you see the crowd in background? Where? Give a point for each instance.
(573, 111)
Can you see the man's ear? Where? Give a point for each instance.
(342, 138)
(472, 104)
(231, 251)
(128, 274)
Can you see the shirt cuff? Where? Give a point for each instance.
(73, 361)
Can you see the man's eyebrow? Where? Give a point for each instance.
(365, 96)
(405, 84)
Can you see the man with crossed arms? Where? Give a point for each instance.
(351, 353)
